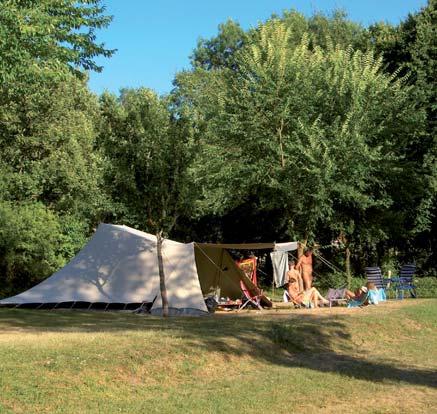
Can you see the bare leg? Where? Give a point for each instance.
(290, 292)
(306, 276)
(320, 298)
(316, 297)
(300, 281)
(312, 296)
(349, 294)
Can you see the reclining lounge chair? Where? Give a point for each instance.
(336, 296)
(250, 298)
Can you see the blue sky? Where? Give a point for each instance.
(155, 38)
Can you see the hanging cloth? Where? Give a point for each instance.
(280, 267)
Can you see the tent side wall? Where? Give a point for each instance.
(116, 266)
(182, 283)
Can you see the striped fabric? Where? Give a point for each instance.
(407, 272)
(406, 280)
(374, 275)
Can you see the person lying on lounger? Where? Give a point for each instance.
(358, 294)
(309, 298)
(365, 295)
(361, 294)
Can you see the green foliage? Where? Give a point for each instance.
(390, 263)
(302, 127)
(41, 38)
(50, 173)
(29, 245)
(357, 282)
(218, 51)
(324, 31)
(426, 287)
(308, 131)
(336, 29)
(411, 48)
(329, 280)
(46, 147)
(147, 152)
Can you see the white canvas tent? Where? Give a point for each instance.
(119, 265)
(118, 268)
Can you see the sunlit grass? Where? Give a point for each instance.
(378, 359)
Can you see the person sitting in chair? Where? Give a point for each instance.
(309, 297)
(293, 273)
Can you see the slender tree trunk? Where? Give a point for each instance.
(348, 267)
(162, 287)
(301, 246)
(281, 146)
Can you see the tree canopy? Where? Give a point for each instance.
(45, 36)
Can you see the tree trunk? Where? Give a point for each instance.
(348, 268)
(301, 247)
(281, 146)
(162, 287)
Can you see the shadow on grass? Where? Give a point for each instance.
(320, 344)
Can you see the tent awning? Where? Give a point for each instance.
(284, 247)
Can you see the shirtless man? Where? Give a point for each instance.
(305, 264)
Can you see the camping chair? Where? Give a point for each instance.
(250, 298)
(286, 296)
(336, 296)
(406, 280)
(374, 275)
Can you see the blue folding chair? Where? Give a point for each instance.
(374, 275)
(406, 275)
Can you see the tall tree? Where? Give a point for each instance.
(48, 165)
(323, 30)
(302, 130)
(218, 52)
(148, 152)
(49, 171)
(43, 37)
(411, 48)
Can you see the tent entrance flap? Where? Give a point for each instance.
(211, 259)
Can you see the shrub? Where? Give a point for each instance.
(29, 245)
(426, 287)
(330, 280)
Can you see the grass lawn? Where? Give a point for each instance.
(381, 359)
